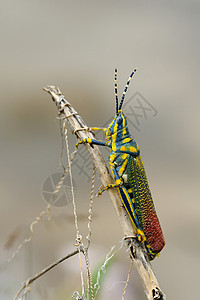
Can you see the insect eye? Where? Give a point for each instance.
(119, 120)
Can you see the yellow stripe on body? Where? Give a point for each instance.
(124, 132)
(124, 156)
(132, 149)
(127, 140)
(122, 168)
(123, 148)
(128, 148)
(112, 157)
(114, 147)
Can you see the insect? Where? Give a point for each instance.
(130, 178)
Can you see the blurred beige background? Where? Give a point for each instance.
(76, 45)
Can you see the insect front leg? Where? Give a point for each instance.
(94, 141)
(97, 128)
(91, 142)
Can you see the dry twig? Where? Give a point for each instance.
(38, 275)
(137, 250)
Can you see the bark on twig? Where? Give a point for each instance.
(137, 250)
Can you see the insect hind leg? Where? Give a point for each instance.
(130, 209)
(118, 182)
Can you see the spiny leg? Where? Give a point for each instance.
(118, 183)
(118, 180)
(130, 209)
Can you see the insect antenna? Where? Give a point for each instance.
(126, 87)
(116, 94)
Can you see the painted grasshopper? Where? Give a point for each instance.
(130, 178)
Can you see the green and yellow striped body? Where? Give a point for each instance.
(130, 179)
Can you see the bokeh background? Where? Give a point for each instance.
(76, 45)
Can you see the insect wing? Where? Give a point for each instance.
(144, 207)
